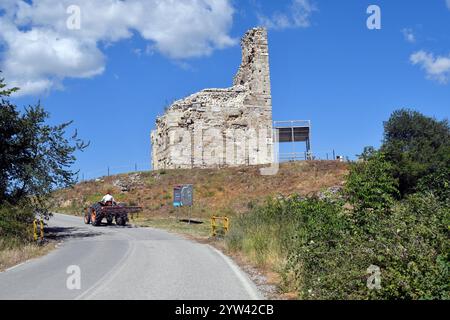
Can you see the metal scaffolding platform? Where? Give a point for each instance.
(293, 131)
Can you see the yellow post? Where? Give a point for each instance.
(225, 225)
(42, 229)
(35, 236)
(213, 227)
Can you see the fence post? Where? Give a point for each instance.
(42, 229)
(35, 230)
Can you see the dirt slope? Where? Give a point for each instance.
(225, 191)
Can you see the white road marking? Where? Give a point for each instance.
(110, 275)
(253, 293)
(16, 266)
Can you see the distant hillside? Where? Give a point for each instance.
(225, 191)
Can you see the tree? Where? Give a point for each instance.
(437, 183)
(367, 153)
(416, 146)
(35, 157)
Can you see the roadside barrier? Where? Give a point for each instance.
(38, 229)
(224, 226)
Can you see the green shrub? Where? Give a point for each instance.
(437, 183)
(15, 223)
(370, 184)
(325, 252)
(416, 266)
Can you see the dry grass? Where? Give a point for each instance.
(11, 256)
(197, 231)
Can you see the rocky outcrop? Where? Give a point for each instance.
(221, 127)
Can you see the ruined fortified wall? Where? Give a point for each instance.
(221, 127)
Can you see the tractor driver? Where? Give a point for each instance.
(108, 199)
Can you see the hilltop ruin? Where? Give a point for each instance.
(221, 127)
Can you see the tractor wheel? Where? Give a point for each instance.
(121, 221)
(95, 217)
(109, 220)
(87, 217)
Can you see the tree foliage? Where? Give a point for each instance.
(437, 183)
(35, 157)
(416, 146)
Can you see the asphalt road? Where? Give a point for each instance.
(125, 263)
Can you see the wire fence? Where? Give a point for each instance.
(107, 171)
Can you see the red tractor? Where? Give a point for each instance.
(111, 211)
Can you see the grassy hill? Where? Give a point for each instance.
(228, 191)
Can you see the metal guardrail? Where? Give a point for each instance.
(225, 226)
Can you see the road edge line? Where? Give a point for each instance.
(16, 266)
(249, 287)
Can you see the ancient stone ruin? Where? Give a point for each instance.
(221, 127)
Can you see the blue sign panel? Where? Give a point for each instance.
(183, 195)
(177, 196)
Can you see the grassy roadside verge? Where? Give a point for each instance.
(12, 255)
(16, 236)
(199, 231)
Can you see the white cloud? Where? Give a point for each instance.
(409, 35)
(436, 68)
(298, 16)
(40, 51)
(448, 4)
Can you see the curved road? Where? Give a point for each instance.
(126, 263)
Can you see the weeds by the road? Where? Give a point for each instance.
(172, 224)
(12, 254)
(16, 236)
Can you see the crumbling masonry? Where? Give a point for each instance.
(221, 127)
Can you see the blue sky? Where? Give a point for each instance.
(326, 66)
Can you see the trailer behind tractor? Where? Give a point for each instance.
(118, 213)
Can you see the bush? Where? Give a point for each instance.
(15, 223)
(324, 253)
(415, 263)
(370, 184)
(410, 246)
(437, 183)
